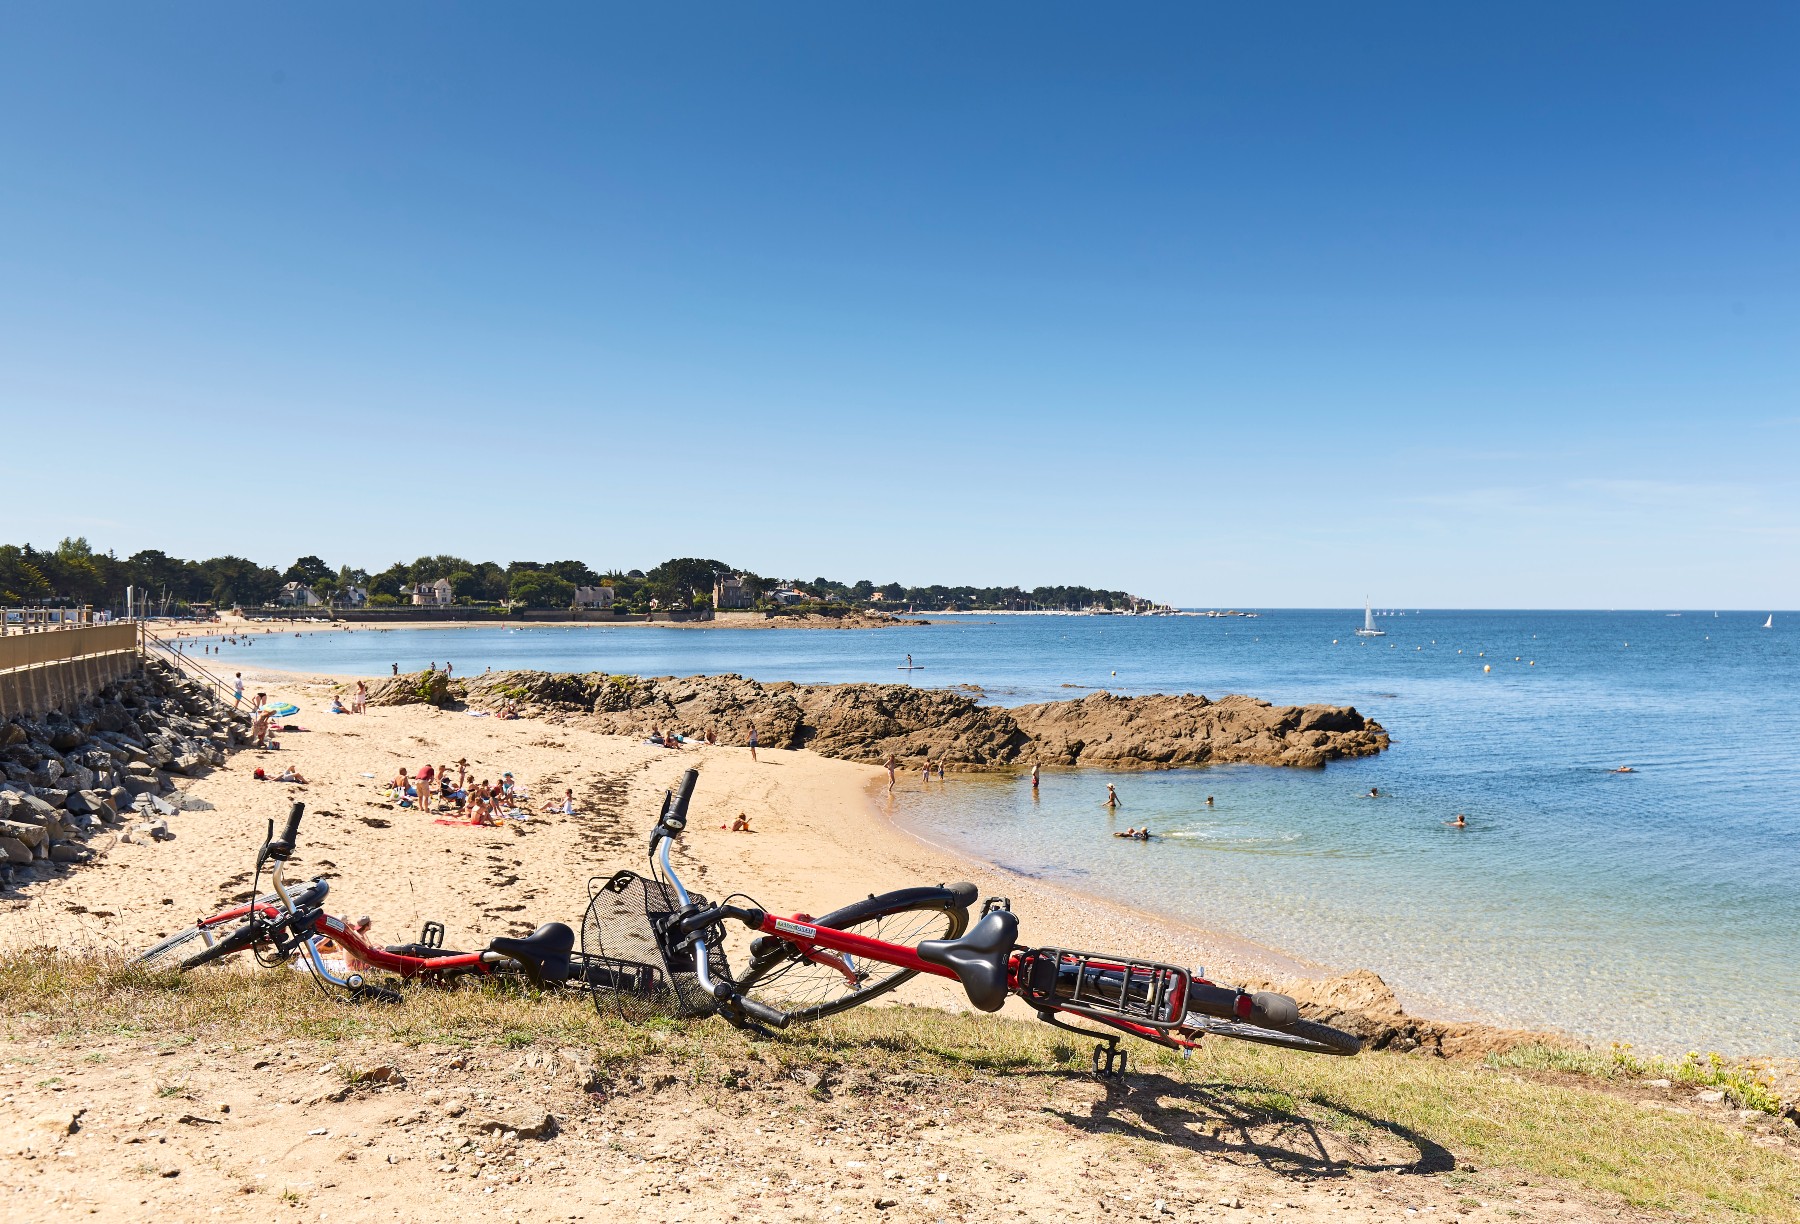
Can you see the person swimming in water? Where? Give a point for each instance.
(1374, 793)
(1130, 833)
(1622, 769)
(1461, 822)
(1209, 801)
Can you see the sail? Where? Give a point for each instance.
(1770, 623)
(1368, 617)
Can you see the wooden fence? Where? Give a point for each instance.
(58, 668)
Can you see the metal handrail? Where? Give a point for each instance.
(222, 692)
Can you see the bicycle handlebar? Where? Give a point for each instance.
(761, 1011)
(291, 833)
(1260, 1008)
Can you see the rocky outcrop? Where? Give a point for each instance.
(1363, 1004)
(68, 778)
(1162, 732)
(424, 688)
(867, 722)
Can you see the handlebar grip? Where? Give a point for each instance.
(676, 816)
(763, 1012)
(292, 831)
(1264, 1009)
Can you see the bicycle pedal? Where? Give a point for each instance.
(432, 935)
(996, 903)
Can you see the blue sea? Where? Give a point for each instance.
(1659, 907)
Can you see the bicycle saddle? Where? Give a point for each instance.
(543, 954)
(979, 958)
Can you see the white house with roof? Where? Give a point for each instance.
(297, 595)
(593, 598)
(433, 594)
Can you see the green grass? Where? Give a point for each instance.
(1439, 1115)
(1748, 1085)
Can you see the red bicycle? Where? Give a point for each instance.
(654, 939)
(291, 922)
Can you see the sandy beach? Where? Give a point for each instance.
(823, 837)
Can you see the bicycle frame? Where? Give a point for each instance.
(837, 950)
(314, 925)
(817, 944)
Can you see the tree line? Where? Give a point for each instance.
(73, 573)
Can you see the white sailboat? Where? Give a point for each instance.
(1770, 623)
(1369, 629)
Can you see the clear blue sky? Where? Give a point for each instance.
(1227, 304)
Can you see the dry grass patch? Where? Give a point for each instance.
(1309, 1114)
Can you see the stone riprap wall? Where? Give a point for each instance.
(73, 782)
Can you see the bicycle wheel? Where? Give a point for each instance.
(168, 953)
(1306, 1036)
(237, 939)
(809, 990)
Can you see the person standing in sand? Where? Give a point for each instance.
(752, 742)
(361, 704)
(237, 691)
(396, 668)
(891, 765)
(424, 777)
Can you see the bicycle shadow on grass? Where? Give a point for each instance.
(1219, 1118)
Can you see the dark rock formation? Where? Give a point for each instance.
(1162, 732)
(866, 722)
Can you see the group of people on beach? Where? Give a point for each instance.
(892, 765)
(482, 802)
(675, 740)
(359, 700)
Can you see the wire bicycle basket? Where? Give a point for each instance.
(628, 963)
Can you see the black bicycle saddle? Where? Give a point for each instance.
(978, 958)
(543, 954)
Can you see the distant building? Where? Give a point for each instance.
(297, 595)
(433, 594)
(589, 598)
(731, 591)
(788, 595)
(353, 596)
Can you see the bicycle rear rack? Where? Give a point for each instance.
(1103, 986)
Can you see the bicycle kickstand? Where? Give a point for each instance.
(1109, 1059)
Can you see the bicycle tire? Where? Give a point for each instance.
(1306, 1036)
(806, 990)
(159, 956)
(240, 937)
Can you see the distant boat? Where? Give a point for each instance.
(1369, 629)
(1770, 623)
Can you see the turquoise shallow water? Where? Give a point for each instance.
(1659, 907)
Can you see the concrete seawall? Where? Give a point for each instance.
(60, 668)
